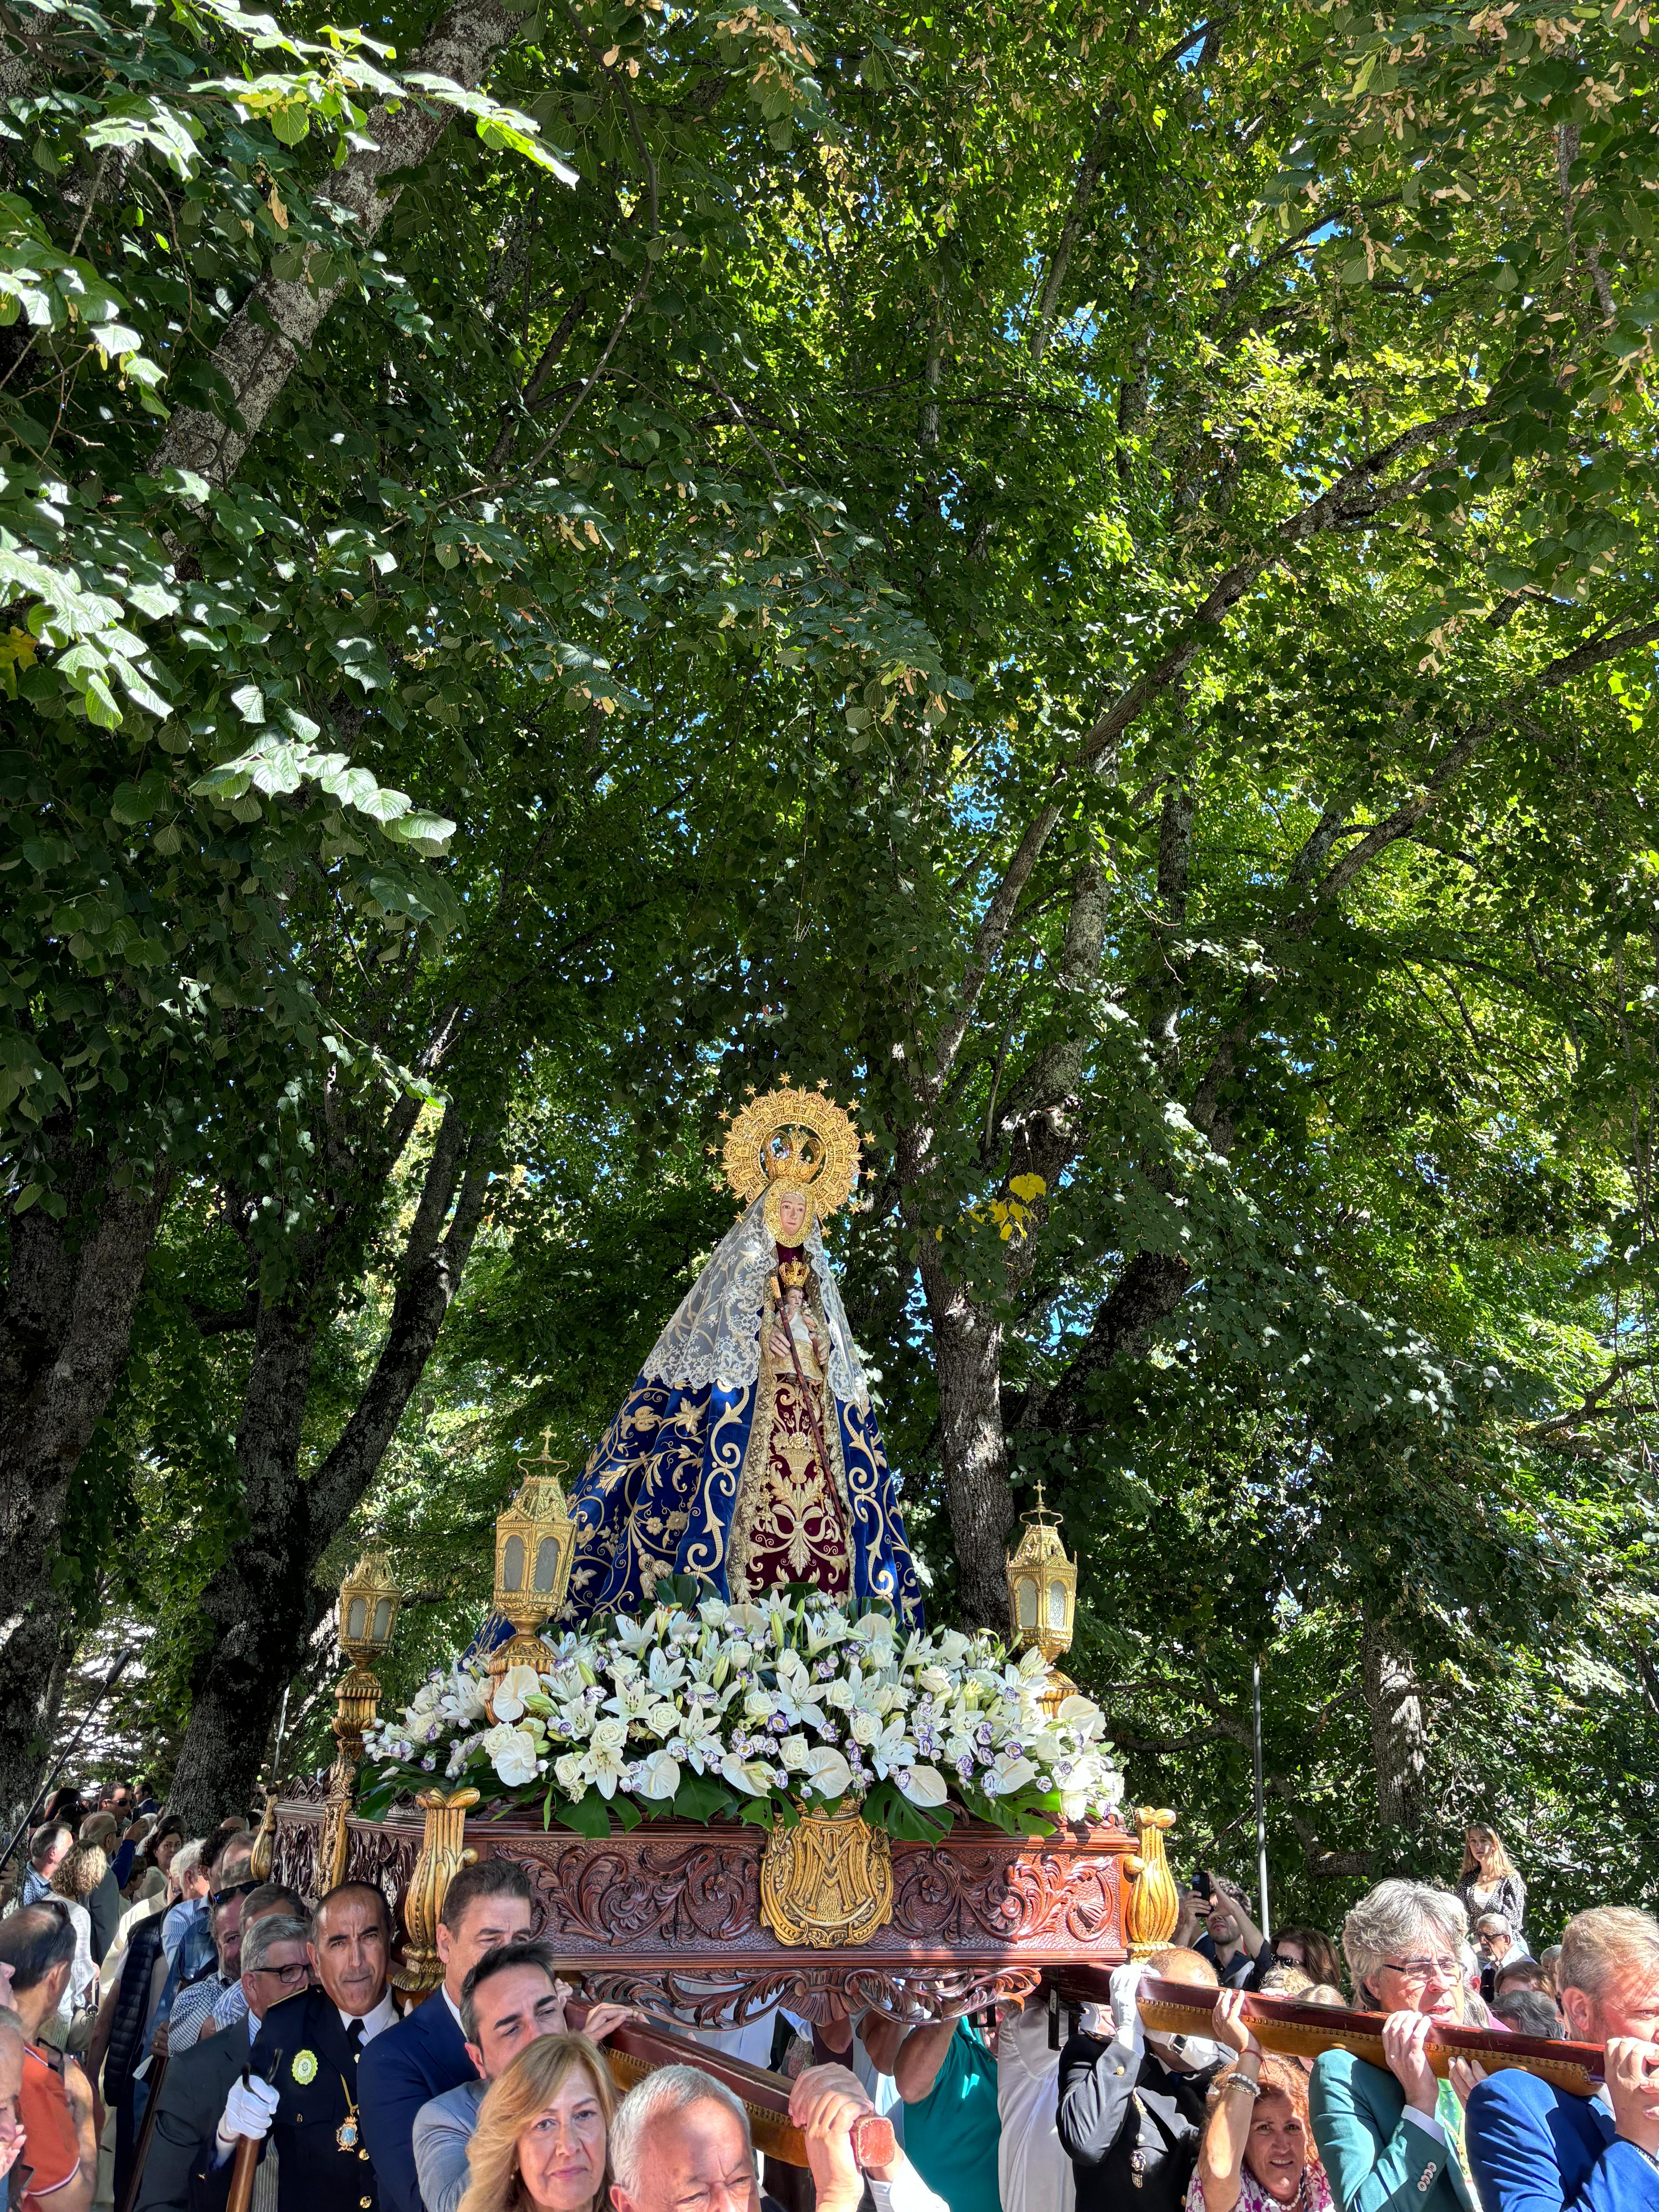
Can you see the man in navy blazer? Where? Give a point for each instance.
(1538, 2149)
(487, 1905)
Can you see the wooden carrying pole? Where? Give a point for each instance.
(246, 2166)
(638, 2047)
(157, 2074)
(1302, 2031)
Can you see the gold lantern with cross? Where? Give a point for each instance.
(1042, 1597)
(535, 1546)
(369, 1600)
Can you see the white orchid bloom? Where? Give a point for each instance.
(1007, 1776)
(753, 1776)
(1084, 1717)
(830, 1775)
(952, 1646)
(923, 1785)
(660, 1776)
(515, 1685)
(511, 1753)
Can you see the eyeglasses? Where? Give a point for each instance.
(292, 1977)
(232, 1889)
(1422, 1970)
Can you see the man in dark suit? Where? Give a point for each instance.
(486, 1905)
(275, 1964)
(300, 2090)
(1538, 2149)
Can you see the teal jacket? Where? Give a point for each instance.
(1378, 2160)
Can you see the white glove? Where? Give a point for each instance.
(1125, 1988)
(249, 2110)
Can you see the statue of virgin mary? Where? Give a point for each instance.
(747, 1452)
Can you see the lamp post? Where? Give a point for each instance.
(370, 1603)
(535, 1546)
(1043, 1597)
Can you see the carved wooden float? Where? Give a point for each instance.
(672, 1915)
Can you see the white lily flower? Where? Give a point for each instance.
(604, 1763)
(953, 1646)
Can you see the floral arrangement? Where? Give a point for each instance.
(700, 1709)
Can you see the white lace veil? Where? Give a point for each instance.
(715, 1336)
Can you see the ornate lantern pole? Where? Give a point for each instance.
(1043, 1597)
(535, 1547)
(369, 1600)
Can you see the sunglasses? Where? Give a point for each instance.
(233, 1889)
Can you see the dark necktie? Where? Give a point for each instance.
(354, 2037)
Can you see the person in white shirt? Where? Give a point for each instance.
(1034, 2173)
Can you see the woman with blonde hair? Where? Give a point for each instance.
(1257, 2154)
(75, 1878)
(542, 2144)
(1490, 1881)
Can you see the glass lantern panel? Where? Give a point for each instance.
(547, 1565)
(513, 1564)
(1056, 1605)
(356, 1614)
(383, 1620)
(1025, 1592)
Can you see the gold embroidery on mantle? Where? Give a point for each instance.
(788, 1509)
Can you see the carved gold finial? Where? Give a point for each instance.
(1153, 1907)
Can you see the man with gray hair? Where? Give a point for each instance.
(275, 1964)
(1538, 2149)
(48, 1846)
(680, 2142)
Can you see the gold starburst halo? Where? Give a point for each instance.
(790, 1136)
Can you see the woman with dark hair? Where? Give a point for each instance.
(1257, 2152)
(1314, 1953)
(542, 2140)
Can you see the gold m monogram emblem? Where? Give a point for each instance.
(828, 1880)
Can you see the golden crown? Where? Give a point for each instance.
(791, 1136)
(793, 1274)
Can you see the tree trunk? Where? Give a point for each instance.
(33, 1669)
(968, 1354)
(264, 1602)
(1398, 1741)
(260, 1602)
(72, 1290)
(277, 322)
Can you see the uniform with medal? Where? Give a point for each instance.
(307, 2053)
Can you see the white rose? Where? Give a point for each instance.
(663, 1719)
(795, 1753)
(936, 1681)
(758, 1704)
(865, 1728)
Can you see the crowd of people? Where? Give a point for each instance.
(159, 2000)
